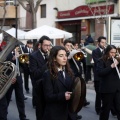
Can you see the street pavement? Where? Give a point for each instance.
(88, 113)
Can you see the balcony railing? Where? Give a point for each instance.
(94, 1)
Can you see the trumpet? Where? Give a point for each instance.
(23, 57)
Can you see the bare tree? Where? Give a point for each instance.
(33, 8)
(4, 8)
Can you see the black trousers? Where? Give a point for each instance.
(3, 108)
(108, 99)
(98, 101)
(18, 87)
(88, 72)
(26, 79)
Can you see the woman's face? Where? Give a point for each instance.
(61, 58)
(112, 53)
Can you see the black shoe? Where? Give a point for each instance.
(25, 98)
(98, 113)
(79, 117)
(86, 103)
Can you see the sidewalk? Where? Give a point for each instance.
(90, 85)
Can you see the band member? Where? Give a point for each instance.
(57, 85)
(96, 54)
(37, 60)
(77, 71)
(110, 82)
(27, 49)
(4, 105)
(18, 87)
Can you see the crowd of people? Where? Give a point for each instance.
(52, 73)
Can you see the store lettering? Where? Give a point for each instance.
(64, 14)
(101, 11)
(81, 11)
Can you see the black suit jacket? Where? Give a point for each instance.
(54, 92)
(36, 65)
(96, 55)
(110, 81)
(25, 50)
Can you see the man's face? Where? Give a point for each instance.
(76, 46)
(102, 43)
(30, 45)
(46, 46)
(68, 46)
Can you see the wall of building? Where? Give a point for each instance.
(68, 4)
(50, 14)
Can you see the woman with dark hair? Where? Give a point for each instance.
(57, 81)
(109, 83)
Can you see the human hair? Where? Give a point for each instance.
(44, 38)
(35, 47)
(67, 41)
(74, 42)
(53, 65)
(106, 52)
(100, 38)
(29, 42)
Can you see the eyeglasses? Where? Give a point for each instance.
(45, 45)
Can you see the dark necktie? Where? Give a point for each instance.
(61, 73)
(46, 57)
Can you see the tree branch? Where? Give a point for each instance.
(37, 5)
(22, 4)
(3, 22)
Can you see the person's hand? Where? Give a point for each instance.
(13, 80)
(27, 62)
(68, 95)
(14, 58)
(113, 65)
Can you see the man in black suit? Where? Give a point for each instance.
(96, 54)
(27, 49)
(38, 60)
(18, 87)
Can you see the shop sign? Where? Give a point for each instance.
(94, 1)
(84, 11)
(83, 28)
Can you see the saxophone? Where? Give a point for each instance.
(8, 70)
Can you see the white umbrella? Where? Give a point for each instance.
(12, 32)
(51, 32)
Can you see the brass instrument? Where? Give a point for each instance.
(8, 70)
(79, 86)
(23, 57)
(76, 54)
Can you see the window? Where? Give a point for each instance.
(43, 11)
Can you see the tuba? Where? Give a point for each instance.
(8, 70)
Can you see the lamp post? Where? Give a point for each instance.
(16, 16)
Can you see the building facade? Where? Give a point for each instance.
(80, 17)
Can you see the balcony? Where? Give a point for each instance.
(10, 9)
